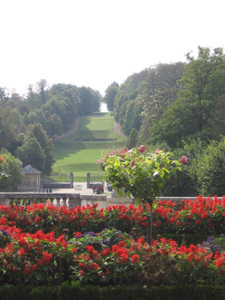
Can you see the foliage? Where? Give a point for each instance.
(141, 173)
(156, 93)
(209, 168)
(8, 128)
(36, 131)
(191, 115)
(110, 95)
(132, 139)
(11, 169)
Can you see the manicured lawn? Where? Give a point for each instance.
(79, 157)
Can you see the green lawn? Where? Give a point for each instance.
(80, 157)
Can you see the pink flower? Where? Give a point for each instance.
(132, 163)
(142, 148)
(157, 151)
(184, 159)
(2, 159)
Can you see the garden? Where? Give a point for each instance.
(152, 250)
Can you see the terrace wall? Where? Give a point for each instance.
(72, 200)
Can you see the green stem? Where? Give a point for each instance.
(149, 225)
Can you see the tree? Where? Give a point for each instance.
(209, 168)
(37, 131)
(89, 100)
(13, 168)
(142, 174)
(190, 115)
(133, 139)
(8, 129)
(110, 95)
(156, 93)
(31, 153)
(41, 86)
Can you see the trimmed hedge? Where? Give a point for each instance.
(66, 292)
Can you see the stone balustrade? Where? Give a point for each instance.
(57, 199)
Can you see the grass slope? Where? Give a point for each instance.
(79, 157)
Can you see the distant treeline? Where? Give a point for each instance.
(29, 124)
(172, 103)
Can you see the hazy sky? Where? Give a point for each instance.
(95, 42)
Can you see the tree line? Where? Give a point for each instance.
(179, 106)
(28, 125)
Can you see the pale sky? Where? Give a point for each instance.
(95, 42)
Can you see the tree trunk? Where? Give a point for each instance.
(149, 225)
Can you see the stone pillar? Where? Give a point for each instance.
(88, 180)
(71, 180)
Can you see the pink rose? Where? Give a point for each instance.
(132, 163)
(157, 151)
(184, 159)
(142, 149)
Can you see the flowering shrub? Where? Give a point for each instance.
(94, 258)
(202, 216)
(142, 174)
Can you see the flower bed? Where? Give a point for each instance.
(49, 245)
(204, 216)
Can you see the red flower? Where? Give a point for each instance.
(90, 249)
(22, 241)
(114, 248)
(105, 251)
(198, 258)
(37, 219)
(190, 257)
(132, 163)
(82, 273)
(2, 158)
(142, 148)
(78, 234)
(184, 159)
(27, 271)
(22, 251)
(134, 258)
(219, 262)
(94, 266)
(141, 240)
(121, 244)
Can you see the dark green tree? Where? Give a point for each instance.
(110, 95)
(11, 166)
(132, 139)
(190, 115)
(209, 168)
(31, 153)
(156, 93)
(8, 128)
(37, 131)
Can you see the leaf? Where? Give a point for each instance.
(120, 193)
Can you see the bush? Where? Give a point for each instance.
(209, 168)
